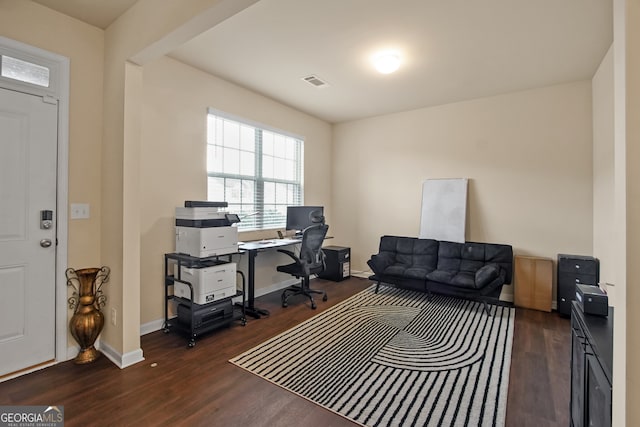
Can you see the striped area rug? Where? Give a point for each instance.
(396, 359)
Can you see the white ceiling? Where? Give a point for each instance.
(452, 50)
(99, 13)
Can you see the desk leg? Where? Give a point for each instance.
(251, 309)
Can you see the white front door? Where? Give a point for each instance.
(28, 153)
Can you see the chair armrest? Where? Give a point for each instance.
(291, 254)
(304, 265)
(324, 260)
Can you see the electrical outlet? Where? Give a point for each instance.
(80, 211)
(114, 316)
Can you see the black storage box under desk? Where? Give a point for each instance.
(338, 263)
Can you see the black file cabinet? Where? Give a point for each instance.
(338, 263)
(572, 270)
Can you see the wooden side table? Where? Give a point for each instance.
(533, 282)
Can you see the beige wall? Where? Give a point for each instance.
(173, 162)
(527, 156)
(83, 44)
(603, 173)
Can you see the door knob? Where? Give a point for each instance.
(45, 243)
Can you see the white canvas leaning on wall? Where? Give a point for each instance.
(444, 209)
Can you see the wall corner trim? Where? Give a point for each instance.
(121, 360)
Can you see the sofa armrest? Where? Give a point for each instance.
(486, 275)
(380, 262)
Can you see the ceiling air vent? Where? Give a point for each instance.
(315, 81)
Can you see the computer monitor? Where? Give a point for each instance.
(301, 217)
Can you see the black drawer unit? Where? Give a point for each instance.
(572, 270)
(338, 263)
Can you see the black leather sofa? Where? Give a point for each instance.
(468, 270)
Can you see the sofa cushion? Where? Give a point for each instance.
(442, 276)
(464, 279)
(467, 257)
(472, 257)
(459, 279)
(449, 256)
(408, 253)
(486, 275)
(501, 255)
(417, 252)
(407, 272)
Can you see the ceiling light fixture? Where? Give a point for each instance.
(386, 62)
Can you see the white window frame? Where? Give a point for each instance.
(258, 219)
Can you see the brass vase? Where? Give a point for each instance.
(87, 320)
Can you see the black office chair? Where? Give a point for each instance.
(310, 261)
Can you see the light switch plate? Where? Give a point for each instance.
(79, 211)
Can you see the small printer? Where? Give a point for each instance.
(592, 300)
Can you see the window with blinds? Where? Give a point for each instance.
(255, 169)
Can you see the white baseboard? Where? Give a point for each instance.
(121, 360)
(275, 287)
(361, 274)
(506, 294)
(131, 358)
(154, 325)
(72, 352)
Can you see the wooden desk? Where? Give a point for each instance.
(533, 282)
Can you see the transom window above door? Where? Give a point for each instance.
(24, 71)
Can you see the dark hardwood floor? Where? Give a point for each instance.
(198, 387)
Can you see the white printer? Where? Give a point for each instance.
(204, 229)
(210, 283)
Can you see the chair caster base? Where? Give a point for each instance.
(302, 289)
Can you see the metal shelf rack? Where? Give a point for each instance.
(179, 260)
